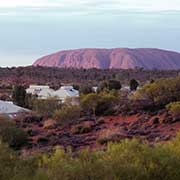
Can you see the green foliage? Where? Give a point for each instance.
(161, 92)
(174, 108)
(127, 160)
(46, 107)
(106, 103)
(89, 103)
(114, 84)
(133, 85)
(99, 104)
(10, 134)
(7, 162)
(19, 95)
(14, 167)
(110, 85)
(86, 89)
(29, 100)
(67, 114)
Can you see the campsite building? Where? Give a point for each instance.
(44, 92)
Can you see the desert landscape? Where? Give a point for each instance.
(89, 90)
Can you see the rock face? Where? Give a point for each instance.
(119, 58)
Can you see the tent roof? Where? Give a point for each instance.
(10, 108)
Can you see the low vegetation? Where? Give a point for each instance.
(67, 114)
(128, 159)
(174, 108)
(46, 107)
(161, 92)
(10, 134)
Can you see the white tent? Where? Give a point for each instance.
(66, 92)
(35, 90)
(44, 92)
(9, 108)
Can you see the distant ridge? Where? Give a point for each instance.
(118, 58)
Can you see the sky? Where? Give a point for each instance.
(30, 29)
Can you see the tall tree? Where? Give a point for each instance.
(19, 95)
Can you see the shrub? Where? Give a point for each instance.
(89, 103)
(110, 85)
(109, 135)
(84, 127)
(8, 161)
(133, 85)
(10, 134)
(129, 159)
(161, 92)
(46, 107)
(174, 108)
(67, 114)
(86, 89)
(99, 104)
(106, 104)
(114, 84)
(14, 167)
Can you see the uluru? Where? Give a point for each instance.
(117, 58)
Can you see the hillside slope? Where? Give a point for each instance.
(120, 58)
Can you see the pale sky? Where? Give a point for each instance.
(120, 4)
(30, 29)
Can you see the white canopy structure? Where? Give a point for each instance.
(44, 92)
(10, 109)
(35, 90)
(65, 92)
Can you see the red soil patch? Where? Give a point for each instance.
(85, 134)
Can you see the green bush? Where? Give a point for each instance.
(99, 104)
(127, 160)
(10, 134)
(14, 167)
(67, 114)
(106, 104)
(86, 89)
(174, 108)
(110, 85)
(89, 103)
(46, 107)
(8, 161)
(160, 92)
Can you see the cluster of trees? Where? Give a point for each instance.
(101, 103)
(91, 105)
(55, 76)
(157, 94)
(160, 92)
(109, 85)
(128, 159)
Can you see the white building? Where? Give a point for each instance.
(11, 109)
(44, 92)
